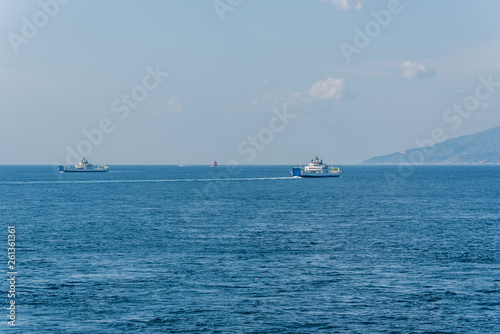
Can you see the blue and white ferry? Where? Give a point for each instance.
(316, 168)
(83, 167)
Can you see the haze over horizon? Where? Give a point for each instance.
(252, 82)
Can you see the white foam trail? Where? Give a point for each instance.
(151, 181)
(123, 171)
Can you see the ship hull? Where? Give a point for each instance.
(315, 175)
(68, 169)
(84, 170)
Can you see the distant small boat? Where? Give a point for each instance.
(214, 164)
(316, 168)
(181, 165)
(83, 167)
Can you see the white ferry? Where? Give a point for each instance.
(82, 167)
(316, 168)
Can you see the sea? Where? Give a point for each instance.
(249, 249)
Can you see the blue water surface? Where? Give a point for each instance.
(168, 249)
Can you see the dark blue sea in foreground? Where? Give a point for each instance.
(167, 249)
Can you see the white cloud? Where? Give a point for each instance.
(321, 93)
(172, 105)
(346, 4)
(417, 70)
(328, 89)
(280, 99)
(485, 105)
(175, 105)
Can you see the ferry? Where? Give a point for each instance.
(83, 167)
(316, 168)
(214, 164)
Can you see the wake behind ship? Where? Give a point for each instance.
(83, 167)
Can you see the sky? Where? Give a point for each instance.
(238, 81)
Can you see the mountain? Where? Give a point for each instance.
(479, 148)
